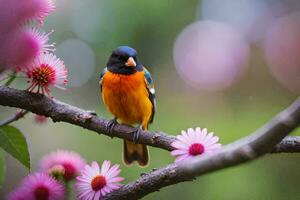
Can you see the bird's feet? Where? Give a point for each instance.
(136, 134)
(110, 125)
(92, 112)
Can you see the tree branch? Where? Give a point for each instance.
(246, 149)
(62, 112)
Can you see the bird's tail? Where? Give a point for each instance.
(135, 152)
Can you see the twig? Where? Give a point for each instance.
(15, 117)
(11, 79)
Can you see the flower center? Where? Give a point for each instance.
(196, 149)
(43, 75)
(98, 182)
(41, 193)
(69, 171)
(57, 171)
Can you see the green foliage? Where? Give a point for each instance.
(14, 143)
(2, 167)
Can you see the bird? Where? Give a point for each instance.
(127, 90)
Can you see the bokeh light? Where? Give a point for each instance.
(80, 60)
(282, 51)
(251, 17)
(210, 55)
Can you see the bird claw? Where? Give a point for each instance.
(136, 134)
(92, 112)
(110, 126)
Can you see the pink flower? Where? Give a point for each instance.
(40, 119)
(31, 44)
(41, 38)
(39, 186)
(15, 12)
(45, 71)
(17, 194)
(65, 163)
(194, 143)
(94, 183)
(43, 8)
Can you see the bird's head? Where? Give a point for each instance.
(123, 60)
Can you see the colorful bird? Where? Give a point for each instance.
(128, 93)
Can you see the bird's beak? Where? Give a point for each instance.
(130, 62)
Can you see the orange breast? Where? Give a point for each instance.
(127, 98)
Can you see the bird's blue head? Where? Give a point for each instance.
(123, 60)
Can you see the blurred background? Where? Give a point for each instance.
(225, 65)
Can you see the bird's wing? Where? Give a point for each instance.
(101, 77)
(151, 91)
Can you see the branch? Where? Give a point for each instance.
(246, 149)
(62, 112)
(249, 148)
(15, 117)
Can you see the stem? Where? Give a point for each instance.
(15, 117)
(67, 190)
(11, 79)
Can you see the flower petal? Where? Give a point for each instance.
(179, 145)
(178, 152)
(105, 167)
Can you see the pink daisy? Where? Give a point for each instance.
(65, 163)
(94, 183)
(45, 71)
(39, 186)
(194, 143)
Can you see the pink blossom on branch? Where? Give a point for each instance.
(45, 71)
(94, 183)
(61, 162)
(194, 143)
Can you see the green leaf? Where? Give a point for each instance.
(2, 167)
(14, 143)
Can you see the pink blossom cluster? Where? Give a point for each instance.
(20, 44)
(61, 167)
(24, 48)
(94, 181)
